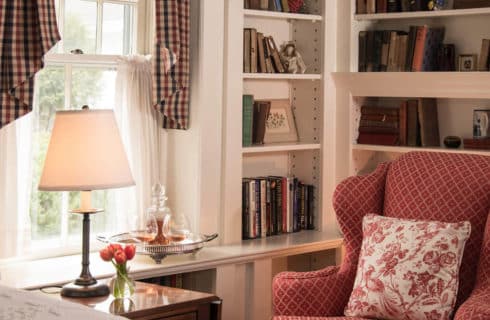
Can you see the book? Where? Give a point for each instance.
(433, 43)
(252, 210)
(405, 5)
(413, 131)
(419, 5)
(392, 52)
(418, 52)
(484, 53)
(466, 4)
(263, 208)
(381, 6)
(447, 58)
(362, 67)
(378, 47)
(247, 120)
(253, 50)
(275, 56)
(310, 216)
(401, 51)
(384, 139)
(429, 123)
(412, 37)
(278, 5)
(285, 204)
(268, 57)
(245, 209)
(371, 6)
(477, 143)
(403, 124)
(385, 49)
(285, 6)
(264, 4)
(254, 4)
(393, 6)
(261, 54)
(380, 111)
(258, 212)
(268, 207)
(246, 4)
(260, 115)
(361, 7)
(246, 50)
(375, 129)
(370, 52)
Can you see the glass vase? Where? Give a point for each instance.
(122, 285)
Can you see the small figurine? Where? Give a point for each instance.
(292, 59)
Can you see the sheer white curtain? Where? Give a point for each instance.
(140, 130)
(15, 186)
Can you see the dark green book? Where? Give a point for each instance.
(247, 119)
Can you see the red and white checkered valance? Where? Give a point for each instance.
(28, 30)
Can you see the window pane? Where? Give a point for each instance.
(45, 207)
(94, 87)
(80, 26)
(117, 29)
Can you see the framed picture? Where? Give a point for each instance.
(467, 62)
(280, 125)
(480, 123)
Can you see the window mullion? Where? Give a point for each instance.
(100, 17)
(64, 196)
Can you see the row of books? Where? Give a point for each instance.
(260, 53)
(254, 120)
(275, 205)
(414, 123)
(384, 6)
(270, 5)
(420, 49)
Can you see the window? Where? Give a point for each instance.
(103, 30)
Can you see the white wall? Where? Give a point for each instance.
(192, 174)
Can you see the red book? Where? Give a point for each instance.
(418, 52)
(403, 123)
(384, 139)
(284, 198)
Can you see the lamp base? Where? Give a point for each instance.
(73, 290)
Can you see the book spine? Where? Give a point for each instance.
(381, 6)
(403, 123)
(484, 53)
(246, 50)
(273, 226)
(253, 50)
(245, 210)
(275, 56)
(361, 7)
(264, 4)
(362, 51)
(279, 206)
(418, 53)
(392, 51)
(311, 208)
(388, 130)
(412, 37)
(252, 210)
(285, 6)
(258, 211)
(295, 205)
(261, 53)
(268, 205)
(263, 208)
(285, 205)
(247, 120)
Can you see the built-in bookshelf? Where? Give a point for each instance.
(457, 93)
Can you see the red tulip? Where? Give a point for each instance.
(106, 254)
(114, 247)
(120, 257)
(130, 251)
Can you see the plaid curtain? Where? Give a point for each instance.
(171, 62)
(28, 30)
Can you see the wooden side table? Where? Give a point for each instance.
(156, 302)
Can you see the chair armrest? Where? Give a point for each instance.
(476, 307)
(317, 293)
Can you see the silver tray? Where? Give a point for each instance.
(157, 252)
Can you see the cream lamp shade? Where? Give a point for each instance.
(85, 153)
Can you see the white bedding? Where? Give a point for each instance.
(23, 305)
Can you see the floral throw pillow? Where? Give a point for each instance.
(408, 269)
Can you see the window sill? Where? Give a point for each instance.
(57, 271)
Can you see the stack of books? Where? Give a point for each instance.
(260, 53)
(275, 205)
(270, 5)
(383, 6)
(254, 120)
(420, 49)
(415, 124)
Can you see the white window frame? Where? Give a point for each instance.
(142, 41)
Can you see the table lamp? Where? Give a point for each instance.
(85, 153)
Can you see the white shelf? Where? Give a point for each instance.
(398, 149)
(280, 147)
(280, 76)
(281, 15)
(415, 84)
(422, 14)
(56, 271)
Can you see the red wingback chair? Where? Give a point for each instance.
(418, 185)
